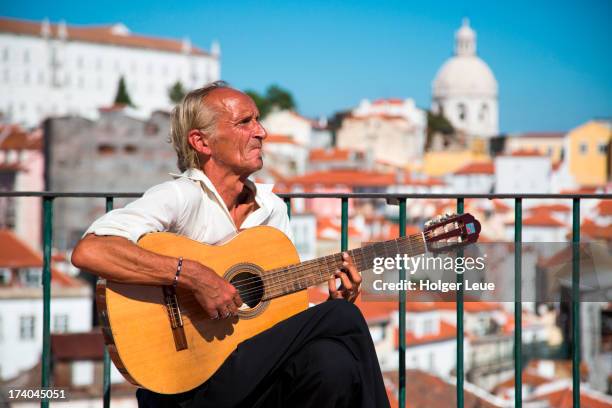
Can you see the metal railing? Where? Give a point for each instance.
(392, 199)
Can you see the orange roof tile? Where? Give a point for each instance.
(604, 208)
(477, 168)
(594, 231)
(388, 101)
(500, 206)
(550, 207)
(540, 219)
(563, 398)
(329, 154)
(14, 253)
(97, 34)
(327, 225)
(426, 390)
(274, 138)
(13, 137)
(382, 116)
(352, 178)
(526, 153)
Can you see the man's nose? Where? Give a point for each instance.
(260, 131)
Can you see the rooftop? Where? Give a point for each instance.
(112, 34)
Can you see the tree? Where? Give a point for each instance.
(279, 98)
(437, 124)
(274, 98)
(176, 93)
(260, 101)
(122, 97)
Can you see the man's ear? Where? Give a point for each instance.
(199, 141)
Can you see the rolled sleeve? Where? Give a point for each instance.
(157, 210)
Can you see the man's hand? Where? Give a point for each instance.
(218, 298)
(350, 278)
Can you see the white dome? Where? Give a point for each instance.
(465, 75)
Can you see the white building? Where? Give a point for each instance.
(522, 173)
(21, 306)
(392, 130)
(473, 178)
(465, 89)
(55, 69)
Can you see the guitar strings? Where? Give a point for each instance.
(286, 276)
(271, 273)
(311, 275)
(316, 263)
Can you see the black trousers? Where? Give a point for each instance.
(322, 357)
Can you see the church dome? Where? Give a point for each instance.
(465, 74)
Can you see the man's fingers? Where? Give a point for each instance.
(346, 282)
(333, 291)
(237, 300)
(350, 267)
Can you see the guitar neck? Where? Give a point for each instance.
(293, 278)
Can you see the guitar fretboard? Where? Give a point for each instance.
(293, 278)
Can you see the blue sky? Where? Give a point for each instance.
(552, 59)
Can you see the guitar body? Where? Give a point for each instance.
(137, 319)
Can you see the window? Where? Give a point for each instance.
(603, 148)
(26, 327)
(99, 64)
(583, 148)
(60, 323)
(6, 76)
(26, 77)
(427, 326)
(484, 112)
(26, 56)
(462, 111)
(106, 149)
(31, 276)
(80, 62)
(130, 149)
(5, 276)
(81, 82)
(5, 54)
(41, 78)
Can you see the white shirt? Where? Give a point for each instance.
(191, 206)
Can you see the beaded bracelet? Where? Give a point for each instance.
(179, 267)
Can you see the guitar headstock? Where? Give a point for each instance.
(449, 231)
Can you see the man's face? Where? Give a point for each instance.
(237, 143)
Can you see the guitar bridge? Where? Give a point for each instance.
(176, 319)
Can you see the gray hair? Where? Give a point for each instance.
(192, 113)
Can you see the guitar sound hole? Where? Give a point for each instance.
(250, 287)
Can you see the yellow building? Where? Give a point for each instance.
(589, 153)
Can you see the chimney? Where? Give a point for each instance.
(62, 30)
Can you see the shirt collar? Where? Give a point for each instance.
(260, 189)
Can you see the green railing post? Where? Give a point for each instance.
(576, 302)
(459, 316)
(107, 362)
(518, 309)
(344, 226)
(402, 313)
(288, 204)
(46, 281)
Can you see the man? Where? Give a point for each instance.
(321, 357)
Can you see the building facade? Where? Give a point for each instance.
(116, 153)
(55, 69)
(392, 130)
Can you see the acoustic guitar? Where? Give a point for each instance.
(163, 341)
